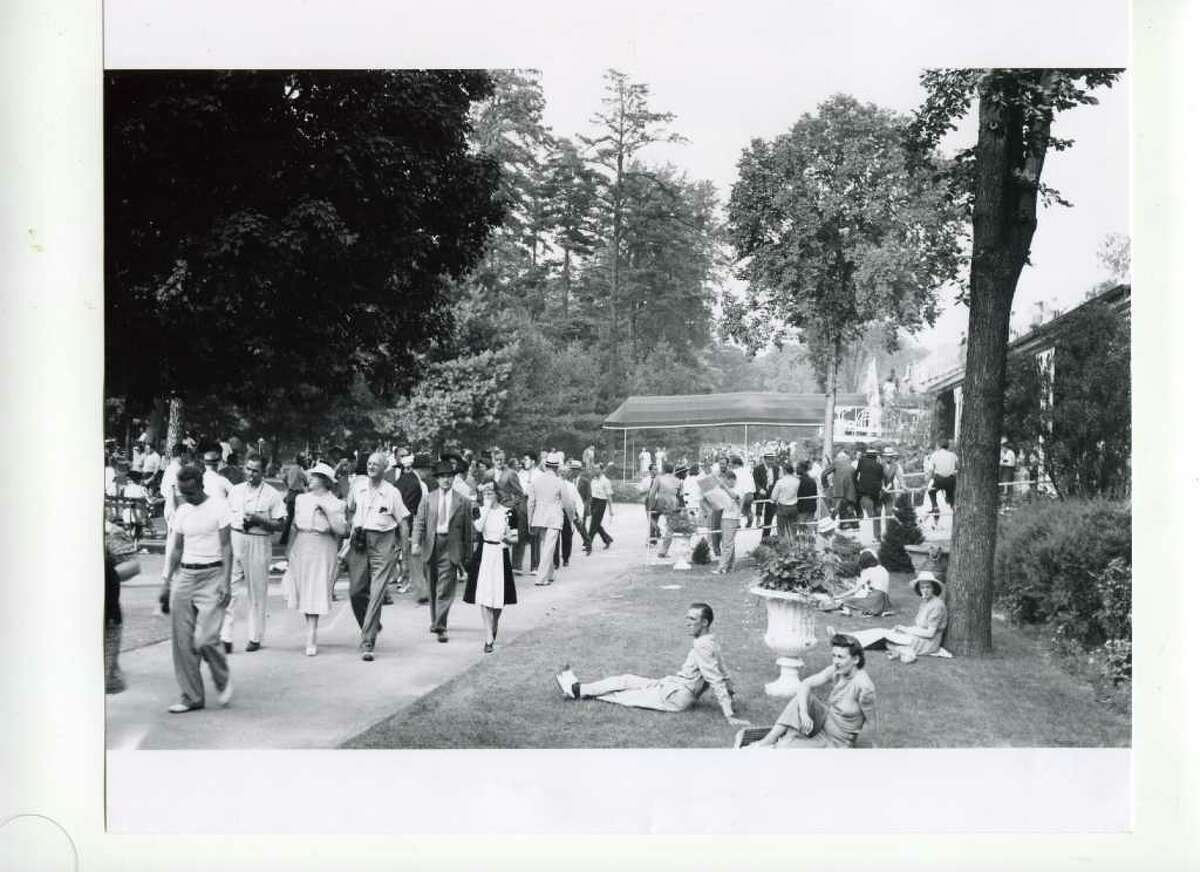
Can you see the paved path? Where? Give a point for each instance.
(283, 699)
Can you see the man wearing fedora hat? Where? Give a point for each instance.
(376, 510)
(868, 484)
(766, 474)
(572, 513)
(257, 513)
(442, 534)
(546, 507)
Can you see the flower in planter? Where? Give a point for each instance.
(794, 566)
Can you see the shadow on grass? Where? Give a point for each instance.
(1014, 698)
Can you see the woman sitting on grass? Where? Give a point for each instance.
(807, 722)
(925, 634)
(870, 595)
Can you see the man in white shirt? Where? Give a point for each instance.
(703, 668)
(180, 457)
(745, 488)
(1008, 469)
(942, 469)
(602, 495)
(151, 463)
(529, 470)
(215, 484)
(376, 509)
(199, 562)
(257, 513)
(644, 461)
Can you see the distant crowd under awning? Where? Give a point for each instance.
(724, 410)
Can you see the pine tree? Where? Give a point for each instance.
(902, 530)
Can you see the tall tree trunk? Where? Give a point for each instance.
(174, 423)
(566, 284)
(831, 372)
(1008, 168)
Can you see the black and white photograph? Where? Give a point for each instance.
(644, 407)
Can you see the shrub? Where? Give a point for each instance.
(1066, 563)
(845, 551)
(902, 529)
(701, 554)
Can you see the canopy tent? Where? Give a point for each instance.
(722, 410)
(745, 409)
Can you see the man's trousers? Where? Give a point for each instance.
(443, 583)
(248, 583)
(599, 507)
(196, 615)
(637, 692)
(370, 572)
(549, 542)
(729, 531)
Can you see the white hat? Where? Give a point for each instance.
(406, 460)
(324, 469)
(926, 575)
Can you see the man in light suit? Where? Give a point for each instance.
(546, 515)
(442, 537)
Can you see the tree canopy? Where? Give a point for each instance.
(275, 228)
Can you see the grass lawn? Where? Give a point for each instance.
(1017, 697)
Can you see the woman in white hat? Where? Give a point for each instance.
(319, 524)
(808, 722)
(924, 636)
(490, 576)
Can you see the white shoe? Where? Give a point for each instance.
(227, 694)
(566, 682)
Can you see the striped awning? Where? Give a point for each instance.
(714, 410)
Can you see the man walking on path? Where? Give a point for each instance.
(702, 669)
(843, 495)
(199, 562)
(511, 495)
(766, 474)
(256, 514)
(942, 469)
(572, 514)
(376, 511)
(602, 494)
(442, 538)
(723, 502)
(546, 517)
(412, 491)
(664, 502)
(868, 483)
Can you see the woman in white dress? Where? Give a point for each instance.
(318, 525)
(490, 578)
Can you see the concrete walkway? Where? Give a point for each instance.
(283, 699)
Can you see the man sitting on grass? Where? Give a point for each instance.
(675, 693)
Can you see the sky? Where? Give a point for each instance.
(716, 113)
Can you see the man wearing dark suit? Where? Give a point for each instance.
(442, 537)
(411, 490)
(766, 474)
(868, 484)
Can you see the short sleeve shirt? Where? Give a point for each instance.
(245, 499)
(380, 509)
(200, 526)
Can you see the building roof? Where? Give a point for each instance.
(1042, 336)
(713, 410)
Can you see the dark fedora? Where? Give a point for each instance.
(443, 467)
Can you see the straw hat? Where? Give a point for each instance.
(926, 575)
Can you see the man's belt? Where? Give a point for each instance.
(248, 533)
(492, 542)
(379, 532)
(199, 565)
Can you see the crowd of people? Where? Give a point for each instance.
(395, 522)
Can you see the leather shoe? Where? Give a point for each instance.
(442, 637)
(228, 646)
(487, 648)
(368, 655)
(253, 646)
(226, 694)
(181, 707)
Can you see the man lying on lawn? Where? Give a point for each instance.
(703, 668)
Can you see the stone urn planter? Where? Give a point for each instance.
(932, 555)
(791, 629)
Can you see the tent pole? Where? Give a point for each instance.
(624, 461)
